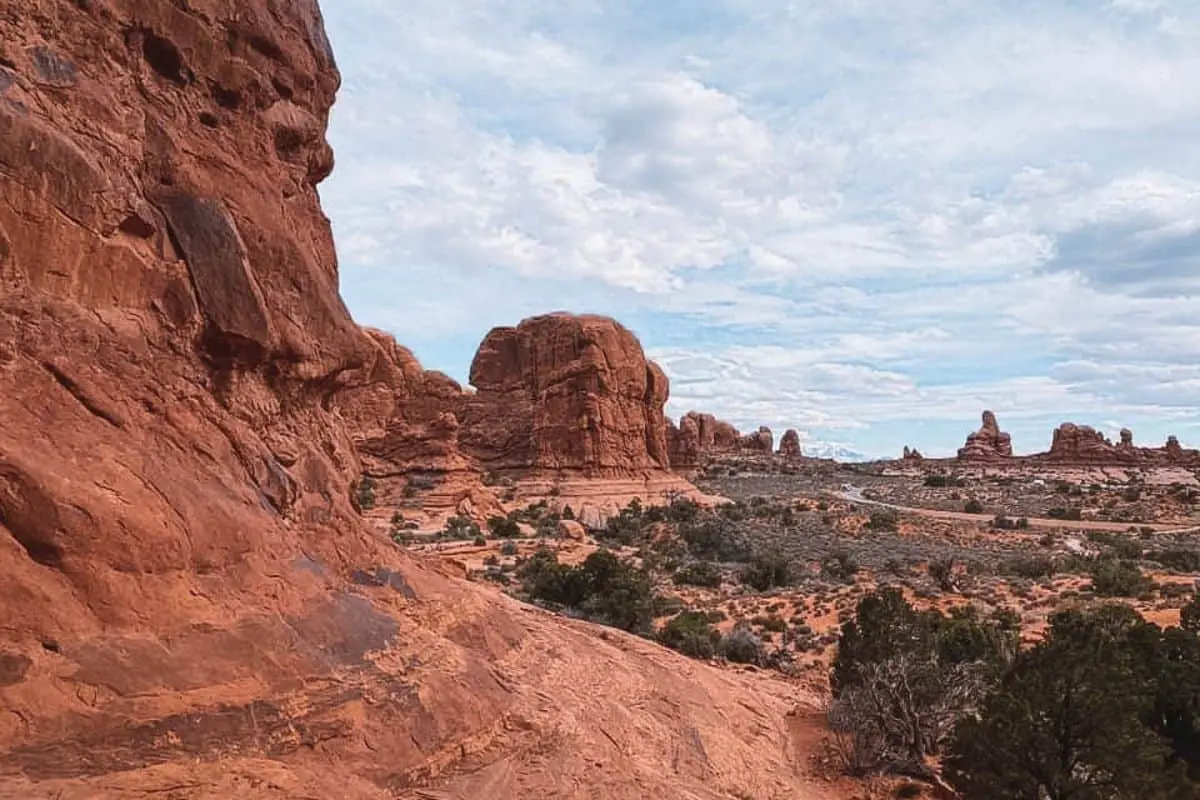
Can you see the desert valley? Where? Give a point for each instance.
(252, 549)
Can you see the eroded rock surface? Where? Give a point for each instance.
(700, 436)
(566, 392)
(1084, 445)
(989, 442)
(789, 444)
(191, 604)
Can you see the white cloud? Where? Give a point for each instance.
(853, 216)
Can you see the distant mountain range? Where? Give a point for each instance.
(834, 450)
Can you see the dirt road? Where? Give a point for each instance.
(854, 494)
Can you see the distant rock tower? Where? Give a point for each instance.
(989, 442)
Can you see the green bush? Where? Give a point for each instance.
(839, 566)
(603, 588)
(460, 527)
(503, 528)
(1105, 706)
(366, 493)
(699, 573)
(767, 571)
(741, 646)
(1111, 578)
(691, 633)
(973, 507)
(508, 549)
(883, 519)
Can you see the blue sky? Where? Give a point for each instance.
(864, 219)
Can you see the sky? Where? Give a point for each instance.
(863, 219)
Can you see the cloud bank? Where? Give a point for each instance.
(863, 219)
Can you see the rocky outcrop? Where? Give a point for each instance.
(912, 454)
(760, 441)
(1083, 445)
(789, 444)
(566, 392)
(191, 602)
(700, 436)
(988, 443)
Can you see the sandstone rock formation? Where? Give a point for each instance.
(989, 442)
(191, 604)
(569, 392)
(700, 436)
(789, 445)
(760, 441)
(912, 454)
(1085, 446)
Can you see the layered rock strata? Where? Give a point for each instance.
(192, 604)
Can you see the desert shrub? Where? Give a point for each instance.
(365, 494)
(602, 588)
(937, 481)
(503, 528)
(973, 506)
(1070, 513)
(1029, 567)
(941, 570)
(460, 527)
(711, 537)
(1179, 560)
(691, 633)
(770, 622)
(839, 566)
(741, 646)
(883, 519)
(902, 678)
(508, 549)
(767, 571)
(479, 541)
(665, 605)
(1112, 578)
(1189, 615)
(698, 573)
(1121, 546)
(1117, 701)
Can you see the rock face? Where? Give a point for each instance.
(989, 442)
(700, 436)
(761, 441)
(191, 603)
(789, 445)
(912, 454)
(1084, 445)
(566, 392)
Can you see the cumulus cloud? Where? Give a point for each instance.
(867, 220)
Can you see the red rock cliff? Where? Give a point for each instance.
(190, 603)
(566, 392)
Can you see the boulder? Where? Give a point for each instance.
(571, 529)
(988, 443)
